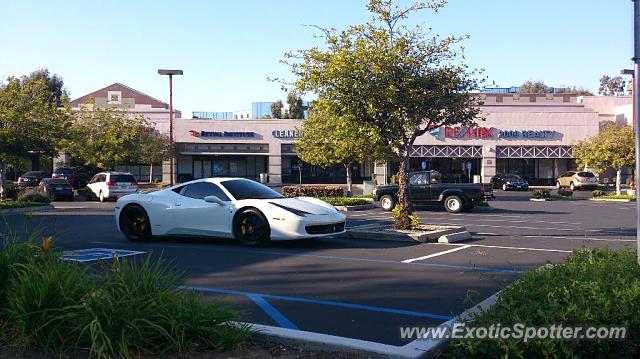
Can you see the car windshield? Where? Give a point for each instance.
(122, 178)
(247, 189)
(55, 181)
(512, 177)
(64, 171)
(585, 174)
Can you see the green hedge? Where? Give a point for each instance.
(595, 287)
(346, 201)
(312, 191)
(33, 195)
(540, 193)
(18, 204)
(615, 196)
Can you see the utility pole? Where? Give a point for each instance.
(171, 151)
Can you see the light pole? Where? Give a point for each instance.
(636, 103)
(170, 73)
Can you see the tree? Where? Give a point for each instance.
(329, 139)
(611, 86)
(276, 109)
(58, 94)
(531, 86)
(104, 137)
(151, 147)
(296, 110)
(390, 78)
(578, 90)
(614, 147)
(30, 121)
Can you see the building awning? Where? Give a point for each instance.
(224, 153)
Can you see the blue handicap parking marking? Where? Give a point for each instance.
(95, 254)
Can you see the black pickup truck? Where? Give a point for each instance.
(425, 188)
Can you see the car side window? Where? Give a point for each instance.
(418, 179)
(200, 190)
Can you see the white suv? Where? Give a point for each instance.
(107, 185)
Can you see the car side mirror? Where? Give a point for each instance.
(213, 199)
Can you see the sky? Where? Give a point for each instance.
(228, 49)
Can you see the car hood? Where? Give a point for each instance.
(306, 204)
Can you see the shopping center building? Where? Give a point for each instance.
(526, 134)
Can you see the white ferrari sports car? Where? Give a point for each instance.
(238, 208)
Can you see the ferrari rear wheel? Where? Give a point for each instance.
(251, 228)
(134, 223)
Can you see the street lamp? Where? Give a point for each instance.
(636, 103)
(170, 73)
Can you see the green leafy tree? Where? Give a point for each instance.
(276, 109)
(611, 86)
(390, 78)
(614, 147)
(151, 147)
(296, 110)
(329, 139)
(104, 137)
(531, 86)
(58, 94)
(578, 90)
(30, 121)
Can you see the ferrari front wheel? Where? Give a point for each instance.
(251, 228)
(134, 224)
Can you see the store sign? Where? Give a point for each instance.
(493, 133)
(286, 133)
(225, 134)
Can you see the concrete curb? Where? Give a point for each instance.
(454, 237)
(538, 199)
(611, 200)
(373, 232)
(360, 207)
(14, 211)
(418, 348)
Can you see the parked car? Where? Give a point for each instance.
(577, 180)
(425, 188)
(237, 208)
(509, 181)
(56, 188)
(111, 185)
(64, 173)
(32, 178)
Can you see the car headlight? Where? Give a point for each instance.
(297, 212)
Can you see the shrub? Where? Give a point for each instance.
(32, 195)
(598, 193)
(596, 287)
(565, 192)
(540, 193)
(312, 191)
(415, 221)
(11, 191)
(346, 201)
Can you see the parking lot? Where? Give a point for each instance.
(366, 289)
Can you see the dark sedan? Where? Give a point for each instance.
(32, 178)
(509, 181)
(56, 188)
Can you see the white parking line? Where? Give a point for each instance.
(506, 247)
(535, 228)
(582, 238)
(435, 254)
(508, 220)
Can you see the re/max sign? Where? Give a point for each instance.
(490, 133)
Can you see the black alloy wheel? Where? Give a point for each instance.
(251, 228)
(135, 224)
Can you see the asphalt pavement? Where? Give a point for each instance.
(364, 289)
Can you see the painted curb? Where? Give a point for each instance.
(360, 207)
(363, 232)
(610, 200)
(418, 348)
(454, 237)
(537, 199)
(14, 211)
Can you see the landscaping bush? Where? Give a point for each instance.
(32, 195)
(346, 201)
(312, 191)
(565, 192)
(595, 287)
(18, 204)
(120, 310)
(540, 193)
(11, 191)
(598, 193)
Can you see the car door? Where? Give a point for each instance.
(419, 187)
(194, 216)
(566, 179)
